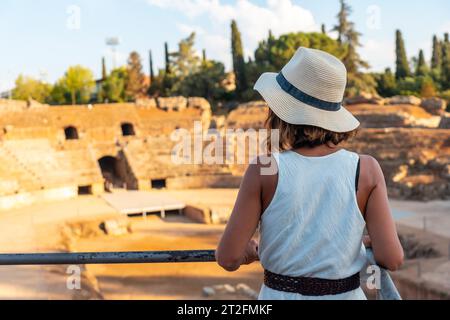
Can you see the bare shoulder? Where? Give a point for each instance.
(263, 166)
(261, 169)
(371, 170)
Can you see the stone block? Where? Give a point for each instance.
(172, 103)
(198, 103)
(434, 106)
(411, 100)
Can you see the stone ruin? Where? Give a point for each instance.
(58, 152)
(412, 148)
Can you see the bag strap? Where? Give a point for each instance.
(358, 170)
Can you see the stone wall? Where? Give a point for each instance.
(414, 161)
(37, 158)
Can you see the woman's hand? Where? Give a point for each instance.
(251, 253)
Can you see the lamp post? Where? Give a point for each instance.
(113, 42)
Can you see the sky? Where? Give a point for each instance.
(41, 38)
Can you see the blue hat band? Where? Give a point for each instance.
(301, 96)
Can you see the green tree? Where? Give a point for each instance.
(436, 57)
(59, 94)
(75, 87)
(352, 59)
(239, 67)
(168, 78)
(402, 66)
(194, 76)
(157, 88)
(409, 86)
(185, 60)
(167, 58)
(386, 84)
(114, 85)
(272, 54)
(162, 83)
(135, 86)
(206, 82)
(421, 67)
(343, 24)
(30, 88)
(348, 37)
(417, 86)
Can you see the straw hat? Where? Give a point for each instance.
(309, 91)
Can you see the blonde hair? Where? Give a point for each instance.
(297, 136)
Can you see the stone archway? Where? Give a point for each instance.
(71, 133)
(110, 167)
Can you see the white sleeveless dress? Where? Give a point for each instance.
(313, 226)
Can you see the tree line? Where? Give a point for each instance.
(188, 73)
(417, 76)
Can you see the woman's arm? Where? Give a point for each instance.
(236, 247)
(384, 239)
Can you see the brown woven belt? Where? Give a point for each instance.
(311, 286)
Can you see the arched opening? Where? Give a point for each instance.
(111, 173)
(127, 129)
(71, 133)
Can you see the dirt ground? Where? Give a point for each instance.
(166, 281)
(40, 228)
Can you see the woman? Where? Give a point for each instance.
(312, 213)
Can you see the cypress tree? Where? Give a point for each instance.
(436, 58)
(324, 29)
(445, 64)
(270, 44)
(238, 59)
(104, 73)
(402, 66)
(152, 73)
(167, 80)
(204, 55)
(421, 68)
(167, 57)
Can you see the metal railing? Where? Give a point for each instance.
(107, 257)
(387, 290)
